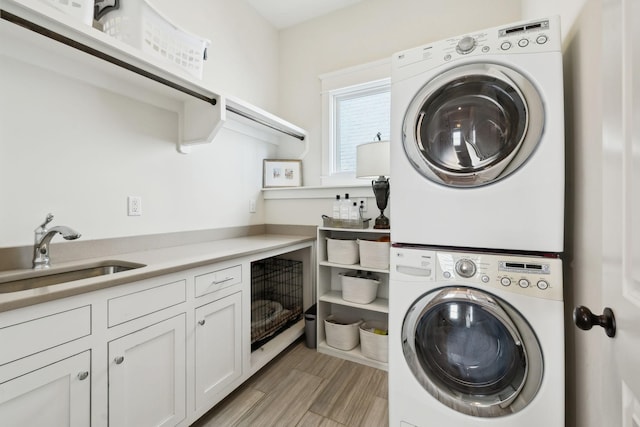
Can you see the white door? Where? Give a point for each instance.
(621, 210)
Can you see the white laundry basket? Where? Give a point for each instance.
(359, 288)
(374, 340)
(139, 24)
(342, 332)
(374, 254)
(342, 251)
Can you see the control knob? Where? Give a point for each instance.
(466, 45)
(465, 268)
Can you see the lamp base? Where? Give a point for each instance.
(382, 222)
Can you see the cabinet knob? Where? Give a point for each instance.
(201, 322)
(83, 375)
(119, 360)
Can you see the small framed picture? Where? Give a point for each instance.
(282, 173)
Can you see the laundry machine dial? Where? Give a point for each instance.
(465, 268)
(466, 45)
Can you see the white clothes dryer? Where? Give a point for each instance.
(477, 140)
(475, 339)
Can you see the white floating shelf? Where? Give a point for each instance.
(38, 34)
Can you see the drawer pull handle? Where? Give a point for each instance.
(201, 322)
(217, 282)
(119, 360)
(83, 375)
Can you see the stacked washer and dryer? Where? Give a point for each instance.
(476, 321)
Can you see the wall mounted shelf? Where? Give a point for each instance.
(40, 35)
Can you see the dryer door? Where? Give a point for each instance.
(472, 351)
(473, 125)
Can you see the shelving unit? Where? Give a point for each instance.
(329, 291)
(38, 34)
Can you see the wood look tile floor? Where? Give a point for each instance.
(303, 388)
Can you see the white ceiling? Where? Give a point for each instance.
(286, 13)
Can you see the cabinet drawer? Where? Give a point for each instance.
(219, 279)
(128, 307)
(30, 337)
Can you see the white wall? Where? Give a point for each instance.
(78, 151)
(569, 11)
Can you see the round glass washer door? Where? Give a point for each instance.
(472, 351)
(473, 125)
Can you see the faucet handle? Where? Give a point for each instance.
(47, 220)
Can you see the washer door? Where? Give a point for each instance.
(473, 125)
(472, 351)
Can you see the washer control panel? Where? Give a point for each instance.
(530, 275)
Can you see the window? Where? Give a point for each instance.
(359, 114)
(356, 107)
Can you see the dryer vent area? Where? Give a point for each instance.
(276, 298)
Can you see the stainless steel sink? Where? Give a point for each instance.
(33, 279)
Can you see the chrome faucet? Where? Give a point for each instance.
(43, 236)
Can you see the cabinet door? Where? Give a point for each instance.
(57, 395)
(147, 376)
(218, 347)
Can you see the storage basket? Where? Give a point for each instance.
(342, 332)
(138, 24)
(358, 288)
(374, 340)
(345, 223)
(342, 251)
(374, 254)
(79, 9)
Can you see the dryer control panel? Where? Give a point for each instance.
(535, 276)
(524, 37)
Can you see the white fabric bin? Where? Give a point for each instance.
(342, 332)
(359, 288)
(342, 251)
(374, 340)
(374, 254)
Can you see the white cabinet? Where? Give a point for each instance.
(45, 366)
(147, 378)
(55, 395)
(329, 291)
(218, 355)
(160, 351)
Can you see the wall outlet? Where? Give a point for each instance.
(134, 205)
(252, 205)
(362, 202)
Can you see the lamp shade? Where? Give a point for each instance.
(372, 159)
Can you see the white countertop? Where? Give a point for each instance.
(157, 262)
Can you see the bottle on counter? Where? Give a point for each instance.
(354, 212)
(345, 207)
(337, 204)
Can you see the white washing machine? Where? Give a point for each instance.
(475, 339)
(477, 140)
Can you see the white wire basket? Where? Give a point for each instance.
(139, 24)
